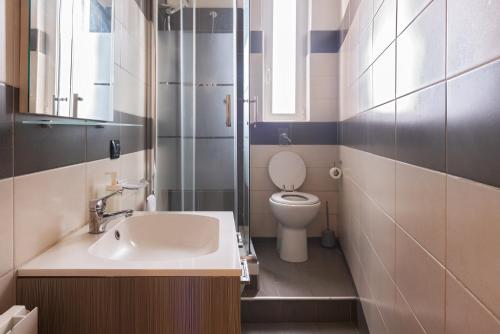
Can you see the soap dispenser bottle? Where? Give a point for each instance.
(113, 203)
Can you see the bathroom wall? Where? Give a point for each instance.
(420, 114)
(315, 141)
(48, 175)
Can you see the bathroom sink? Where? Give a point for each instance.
(159, 238)
(146, 244)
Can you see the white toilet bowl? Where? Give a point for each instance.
(293, 210)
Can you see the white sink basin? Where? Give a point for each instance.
(150, 244)
(159, 238)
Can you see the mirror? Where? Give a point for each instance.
(71, 58)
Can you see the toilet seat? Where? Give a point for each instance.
(294, 198)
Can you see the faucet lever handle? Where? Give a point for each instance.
(99, 204)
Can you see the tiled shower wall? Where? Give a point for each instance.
(314, 141)
(48, 175)
(419, 201)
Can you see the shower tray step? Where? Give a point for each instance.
(290, 309)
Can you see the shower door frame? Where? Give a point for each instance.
(187, 154)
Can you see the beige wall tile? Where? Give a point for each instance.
(380, 181)
(373, 317)
(408, 10)
(421, 206)
(259, 179)
(381, 285)
(353, 164)
(97, 178)
(319, 179)
(133, 169)
(259, 201)
(313, 155)
(473, 32)
(421, 50)
(325, 15)
(6, 226)
(465, 313)
(421, 280)
(47, 206)
(263, 225)
(472, 238)
(384, 27)
(403, 320)
(7, 291)
(381, 232)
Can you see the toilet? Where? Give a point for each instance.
(293, 210)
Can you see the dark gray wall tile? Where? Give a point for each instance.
(421, 128)
(473, 140)
(325, 41)
(256, 42)
(133, 139)
(301, 133)
(7, 106)
(38, 148)
(381, 130)
(354, 132)
(99, 137)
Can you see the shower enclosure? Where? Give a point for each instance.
(202, 146)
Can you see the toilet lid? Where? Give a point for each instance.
(287, 170)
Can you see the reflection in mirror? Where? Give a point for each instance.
(71, 58)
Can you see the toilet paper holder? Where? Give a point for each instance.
(335, 172)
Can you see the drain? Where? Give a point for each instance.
(117, 235)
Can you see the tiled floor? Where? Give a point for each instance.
(325, 274)
(310, 328)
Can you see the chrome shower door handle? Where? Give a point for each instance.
(228, 110)
(255, 108)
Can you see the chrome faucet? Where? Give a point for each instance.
(99, 218)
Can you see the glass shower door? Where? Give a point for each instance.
(208, 110)
(202, 126)
(196, 109)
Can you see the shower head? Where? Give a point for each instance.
(173, 6)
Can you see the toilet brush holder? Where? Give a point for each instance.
(328, 239)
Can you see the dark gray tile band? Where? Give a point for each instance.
(265, 311)
(381, 135)
(453, 129)
(223, 23)
(256, 41)
(421, 128)
(38, 40)
(325, 41)
(473, 128)
(7, 109)
(301, 133)
(37, 148)
(98, 138)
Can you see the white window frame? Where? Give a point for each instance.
(301, 112)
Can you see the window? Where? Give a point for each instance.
(284, 57)
(285, 25)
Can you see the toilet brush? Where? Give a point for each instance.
(328, 237)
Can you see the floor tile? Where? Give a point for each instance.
(325, 274)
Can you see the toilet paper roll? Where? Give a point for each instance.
(336, 173)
